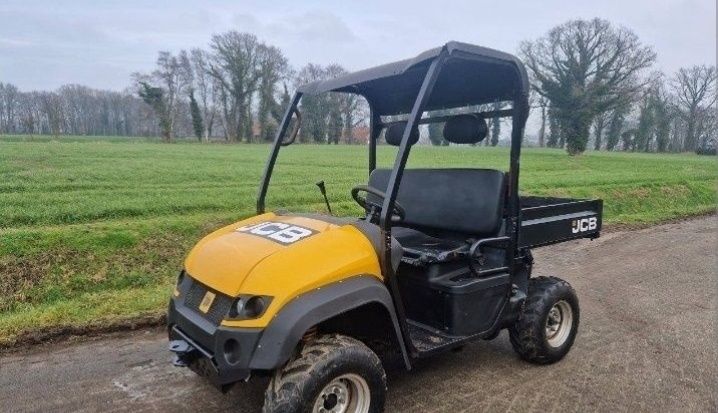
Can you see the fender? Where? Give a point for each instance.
(282, 335)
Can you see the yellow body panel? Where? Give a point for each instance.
(234, 262)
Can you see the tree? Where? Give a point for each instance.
(656, 115)
(51, 106)
(78, 110)
(197, 123)
(314, 107)
(646, 122)
(273, 67)
(543, 106)
(235, 67)
(324, 115)
(335, 106)
(695, 90)
(599, 125)
(663, 112)
(206, 89)
(496, 124)
(28, 113)
(616, 125)
(663, 118)
(707, 139)
(627, 138)
(9, 101)
(277, 111)
(436, 134)
(585, 68)
(554, 136)
(154, 97)
(164, 87)
(335, 122)
(354, 111)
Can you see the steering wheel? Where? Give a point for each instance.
(373, 209)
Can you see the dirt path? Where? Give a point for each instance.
(647, 342)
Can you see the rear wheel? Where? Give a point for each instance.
(548, 324)
(332, 374)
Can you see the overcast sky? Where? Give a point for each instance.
(44, 43)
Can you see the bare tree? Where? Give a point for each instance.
(73, 109)
(664, 113)
(273, 68)
(154, 97)
(599, 125)
(164, 88)
(707, 139)
(235, 67)
(335, 106)
(616, 126)
(585, 68)
(495, 123)
(355, 111)
(329, 117)
(646, 123)
(695, 90)
(315, 108)
(206, 89)
(542, 104)
(9, 95)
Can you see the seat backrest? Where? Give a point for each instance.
(468, 201)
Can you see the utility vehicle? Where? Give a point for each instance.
(440, 258)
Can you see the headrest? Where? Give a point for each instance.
(465, 129)
(395, 131)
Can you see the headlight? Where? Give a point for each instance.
(239, 306)
(254, 307)
(249, 306)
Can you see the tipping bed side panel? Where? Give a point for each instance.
(550, 224)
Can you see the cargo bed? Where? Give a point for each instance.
(546, 220)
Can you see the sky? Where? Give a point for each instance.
(45, 44)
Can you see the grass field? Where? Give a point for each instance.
(93, 231)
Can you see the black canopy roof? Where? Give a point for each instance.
(471, 75)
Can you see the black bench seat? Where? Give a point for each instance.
(446, 210)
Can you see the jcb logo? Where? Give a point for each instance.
(583, 225)
(277, 231)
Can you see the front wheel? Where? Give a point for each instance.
(548, 323)
(332, 374)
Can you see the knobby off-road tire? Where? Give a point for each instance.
(548, 323)
(334, 369)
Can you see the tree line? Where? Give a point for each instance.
(593, 86)
(237, 89)
(74, 110)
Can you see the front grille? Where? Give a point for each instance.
(219, 308)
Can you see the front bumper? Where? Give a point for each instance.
(220, 354)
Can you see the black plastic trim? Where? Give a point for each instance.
(187, 325)
(281, 337)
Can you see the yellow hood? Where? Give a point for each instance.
(280, 256)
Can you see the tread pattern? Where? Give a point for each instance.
(290, 389)
(527, 335)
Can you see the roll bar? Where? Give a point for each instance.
(438, 61)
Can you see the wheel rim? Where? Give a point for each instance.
(348, 393)
(559, 323)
